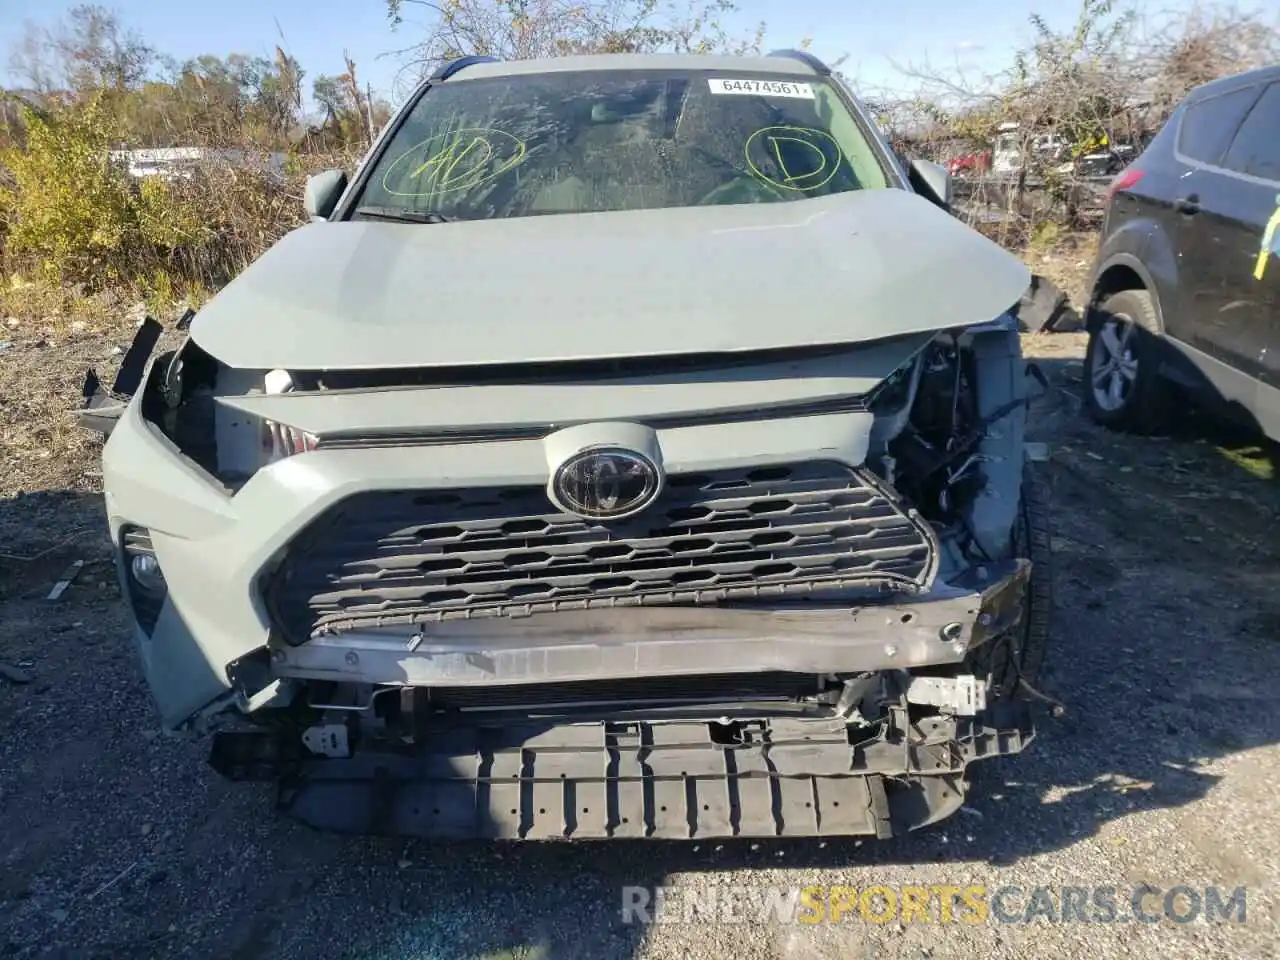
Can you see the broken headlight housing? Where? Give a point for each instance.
(279, 440)
(181, 399)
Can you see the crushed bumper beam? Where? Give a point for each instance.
(680, 780)
(940, 627)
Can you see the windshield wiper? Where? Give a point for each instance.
(401, 215)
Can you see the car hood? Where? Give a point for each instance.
(834, 270)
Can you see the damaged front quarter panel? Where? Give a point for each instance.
(102, 407)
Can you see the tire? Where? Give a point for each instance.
(1019, 654)
(1123, 389)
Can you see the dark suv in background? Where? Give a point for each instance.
(1186, 290)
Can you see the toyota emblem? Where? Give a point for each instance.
(606, 483)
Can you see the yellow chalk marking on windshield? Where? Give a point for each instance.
(772, 139)
(455, 157)
(1268, 241)
(458, 160)
(776, 143)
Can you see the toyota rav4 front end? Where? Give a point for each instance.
(633, 447)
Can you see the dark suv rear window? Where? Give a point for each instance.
(1256, 148)
(1208, 125)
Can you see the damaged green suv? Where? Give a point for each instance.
(632, 446)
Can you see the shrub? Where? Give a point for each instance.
(69, 207)
(71, 215)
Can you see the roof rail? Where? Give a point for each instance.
(453, 66)
(805, 57)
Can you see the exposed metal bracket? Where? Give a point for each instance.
(963, 696)
(327, 740)
(277, 693)
(854, 694)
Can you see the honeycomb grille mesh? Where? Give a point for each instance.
(397, 557)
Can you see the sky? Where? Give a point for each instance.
(878, 39)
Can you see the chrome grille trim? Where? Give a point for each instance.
(854, 403)
(404, 557)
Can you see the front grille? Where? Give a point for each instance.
(403, 557)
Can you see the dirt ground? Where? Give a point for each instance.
(118, 841)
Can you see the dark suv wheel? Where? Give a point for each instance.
(1123, 388)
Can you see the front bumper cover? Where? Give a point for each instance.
(212, 547)
(213, 544)
(779, 777)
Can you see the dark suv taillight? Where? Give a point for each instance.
(1124, 180)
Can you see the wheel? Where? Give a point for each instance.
(1122, 383)
(1019, 654)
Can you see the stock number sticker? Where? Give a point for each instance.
(762, 88)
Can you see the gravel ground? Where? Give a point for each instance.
(117, 840)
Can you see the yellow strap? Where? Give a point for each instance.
(1268, 237)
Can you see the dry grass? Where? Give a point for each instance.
(37, 310)
(1054, 346)
(40, 445)
(1066, 260)
(49, 337)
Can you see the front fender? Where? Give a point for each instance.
(1126, 262)
(1144, 250)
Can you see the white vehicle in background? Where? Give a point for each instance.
(172, 163)
(1052, 150)
(1005, 152)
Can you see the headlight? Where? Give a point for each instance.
(181, 400)
(280, 440)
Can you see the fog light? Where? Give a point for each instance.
(146, 572)
(143, 578)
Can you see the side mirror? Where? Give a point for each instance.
(322, 192)
(931, 179)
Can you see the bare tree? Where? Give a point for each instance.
(94, 50)
(352, 115)
(29, 59)
(522, 29)
(1110, 78)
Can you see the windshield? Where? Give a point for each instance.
(576, 142)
